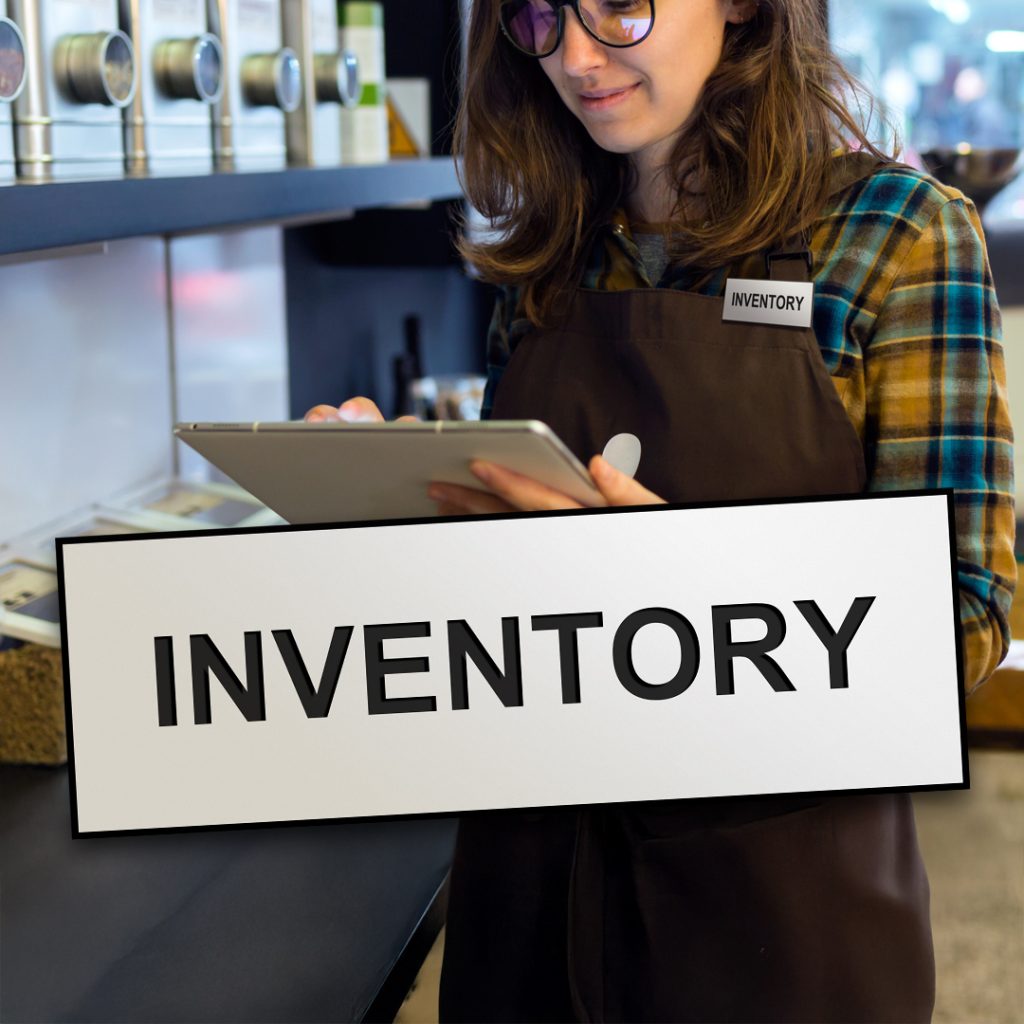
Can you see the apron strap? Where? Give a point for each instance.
(791, 261)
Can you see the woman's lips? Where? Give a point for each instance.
(603, 102)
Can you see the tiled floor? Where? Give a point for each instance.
(973, 844)
(420, 1006)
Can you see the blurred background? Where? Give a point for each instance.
(948, 72)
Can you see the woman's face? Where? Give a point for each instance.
(635, 99)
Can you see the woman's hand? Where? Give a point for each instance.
(354, 410)
(508, 491)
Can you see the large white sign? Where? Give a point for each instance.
(303, 673)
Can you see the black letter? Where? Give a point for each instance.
(315, 702)
(377, 667)
(726, 649)
(462, 641)
(248, 699)
(166, 706)
(568, 648)
(836, 643)
(622, 653)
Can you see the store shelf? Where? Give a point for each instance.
(70, 213)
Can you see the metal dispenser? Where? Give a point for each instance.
(329, 78)
(81, 74)
(180, 77)
(263, 82)
(12, 80)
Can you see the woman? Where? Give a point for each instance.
(633, 161)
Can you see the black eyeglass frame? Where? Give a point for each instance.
(559, 7)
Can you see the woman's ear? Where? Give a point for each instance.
(739, 11)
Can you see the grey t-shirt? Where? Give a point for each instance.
(654, 254)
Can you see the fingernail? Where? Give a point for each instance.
(435, 493)
(481, 470)
(602, 470)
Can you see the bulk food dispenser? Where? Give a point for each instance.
(262, 82)
(81, 74)
(329, 78)
(180, 77)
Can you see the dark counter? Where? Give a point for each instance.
(300, 923)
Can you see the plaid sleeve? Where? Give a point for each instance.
(938, 416)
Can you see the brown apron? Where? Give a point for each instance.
(753, 909)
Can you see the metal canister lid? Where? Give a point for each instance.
(190, 68)
(273, 80)
(208, 68)
(97, 67)
(288, 80)
(337, 77)
(119, 69)
(12, 61)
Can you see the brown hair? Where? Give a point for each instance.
(757, 150)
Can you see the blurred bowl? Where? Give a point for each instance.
(978, 173)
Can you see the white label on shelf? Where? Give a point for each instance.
(325, 26)
(364, 135)
(186, 503)
(257, 14)
(176, 10)
(108, 528)
(21, 584)
(86, 15)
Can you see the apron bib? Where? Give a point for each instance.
(754, 909)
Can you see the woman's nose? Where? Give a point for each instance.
(581, 52)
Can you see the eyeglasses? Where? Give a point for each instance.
(535, 27)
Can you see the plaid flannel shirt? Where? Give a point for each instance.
(906, 316)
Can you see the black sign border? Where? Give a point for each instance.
(62, 542)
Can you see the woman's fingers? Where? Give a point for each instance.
(521, 492)
(454, 500)
(353, 410)
(619, 489)
(509, 491)
(321, 414)
(360, 410)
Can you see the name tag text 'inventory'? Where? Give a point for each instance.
(781, 303)
(756, 301)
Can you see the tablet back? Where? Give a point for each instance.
(342, 472)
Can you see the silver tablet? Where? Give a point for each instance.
(337, 472)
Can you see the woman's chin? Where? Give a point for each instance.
(615, 141)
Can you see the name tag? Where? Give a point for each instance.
(783, 303)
